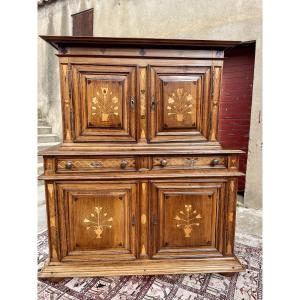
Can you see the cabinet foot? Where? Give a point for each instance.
(228, 274)
(55, 279)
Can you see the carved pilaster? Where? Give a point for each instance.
(143, 110)
(52, 222)
(144, 222)
(66, 102)
(215, 96)
(230, 216)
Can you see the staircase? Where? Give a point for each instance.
(46, 139)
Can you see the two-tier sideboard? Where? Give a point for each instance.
(140, 184)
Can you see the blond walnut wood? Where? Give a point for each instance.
(140, 184)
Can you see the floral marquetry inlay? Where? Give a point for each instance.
(105, 106)
(98, 221)
(187, 219)
(180, 104)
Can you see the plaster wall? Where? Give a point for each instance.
(189, 19)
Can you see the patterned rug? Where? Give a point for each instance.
(242, 286)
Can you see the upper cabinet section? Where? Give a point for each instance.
(140, 91)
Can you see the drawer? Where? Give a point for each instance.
(95, 164)
(189, 162)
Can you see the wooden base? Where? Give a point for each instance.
(143, 267)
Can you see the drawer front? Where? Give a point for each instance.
(189, 162)
(96, 164)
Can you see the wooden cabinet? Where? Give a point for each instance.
(140, 184)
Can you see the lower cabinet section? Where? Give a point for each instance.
(139, 226)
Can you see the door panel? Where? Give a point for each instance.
(104, 103)
(179, 107)
(187, 219)
(96, 220)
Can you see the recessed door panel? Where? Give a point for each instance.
(179, 106)
(97, 220)
(104, 99)
(186, 219)
(105, 102)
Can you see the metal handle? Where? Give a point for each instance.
(69, 165)
(123, 164)
(163, 162)
(215, 162)
(132, 101)
(153, 103)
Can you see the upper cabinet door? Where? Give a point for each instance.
(104, 100)
(179, 103)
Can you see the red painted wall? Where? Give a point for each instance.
(235, 102)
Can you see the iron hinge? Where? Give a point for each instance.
(132, 102)
(133, 221)
(153, 103)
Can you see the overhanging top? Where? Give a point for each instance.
(85, 41)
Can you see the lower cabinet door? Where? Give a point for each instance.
(187, 218)
(96, 220)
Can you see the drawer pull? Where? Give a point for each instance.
(123, 164)
(69, 165)
(163, 162)
(215, 162)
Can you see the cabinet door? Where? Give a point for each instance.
(179, 106)
(104, 103)
(97, 220)
(187, 219)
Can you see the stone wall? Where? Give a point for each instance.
(189, 19)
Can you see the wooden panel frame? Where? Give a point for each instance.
(67, 192)
(199, 74)
(215, 188)
(127, 76)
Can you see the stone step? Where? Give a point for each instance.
(44, 129)
(48, 138)
(42, 146)
(40, 168)
(41, 194)
(42, 122)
